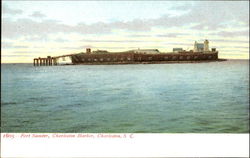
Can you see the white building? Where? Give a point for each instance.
(201, 47)
(64, 60)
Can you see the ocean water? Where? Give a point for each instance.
(145, 98)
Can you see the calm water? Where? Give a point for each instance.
(164, 98)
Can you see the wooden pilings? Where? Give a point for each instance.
(49, 61)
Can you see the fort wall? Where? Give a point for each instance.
(130, 57)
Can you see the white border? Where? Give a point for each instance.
(135, 145)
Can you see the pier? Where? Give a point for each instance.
(49, 61)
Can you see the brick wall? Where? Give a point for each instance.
(128, 57)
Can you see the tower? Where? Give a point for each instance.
(88, 50)
(206, 46)
(195, 47)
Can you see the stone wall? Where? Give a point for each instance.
(130, 57)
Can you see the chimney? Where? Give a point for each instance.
(88, 50)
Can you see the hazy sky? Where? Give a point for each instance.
(40, 28)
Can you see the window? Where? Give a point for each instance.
(165, 57)
(149, 58)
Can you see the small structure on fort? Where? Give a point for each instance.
(100, 51)
(149, 51)
(177, 50)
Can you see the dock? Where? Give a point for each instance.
(49, 61)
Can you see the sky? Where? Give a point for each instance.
(32, 29)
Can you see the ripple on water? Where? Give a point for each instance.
(8, 103)
(199, 98)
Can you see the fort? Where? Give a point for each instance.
(200, 53)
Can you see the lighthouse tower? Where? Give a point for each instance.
(195, 47)
(206, 46)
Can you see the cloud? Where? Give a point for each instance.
(11, 45)
(21, 52)
(208, 15)
(230, 41)
(135, 25)
(40, 37)
(7, 10)
(115, 41)
(233, 34)
(134, 35)
(113, 47)
(182, 6)
(37, 14)
(235, 47)
(61, 40)
(6, 44)
(236, 50)
(28, 27)
(95, 47)
(201, 16)
(172, 35)
(25, 53)
(180, 43)
(234, 54)
(70, 48)
(17, 55)
(86, 46)
(160, 35)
